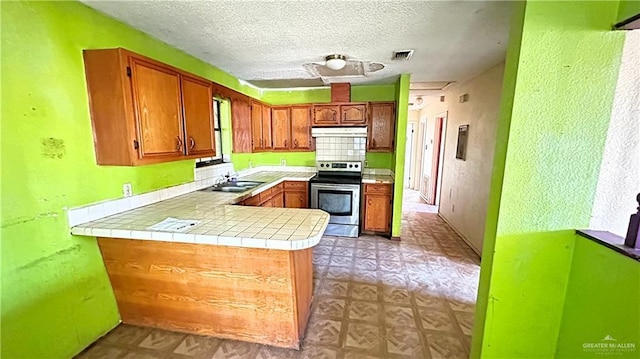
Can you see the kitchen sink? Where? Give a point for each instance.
(235, 187)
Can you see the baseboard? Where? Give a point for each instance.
(465, 239)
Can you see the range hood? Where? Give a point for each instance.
(339, 132)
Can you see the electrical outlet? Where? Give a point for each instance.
(127, 190)
(283, 162)
(366, 163)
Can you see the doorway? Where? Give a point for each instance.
(432, 160)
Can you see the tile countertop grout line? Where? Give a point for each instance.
(217, 206)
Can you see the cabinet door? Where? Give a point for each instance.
(382, 127)
(353, 114)
(295, 199)
(278, 200)
(281, 126)
(267, 140)
(377, 213)
(300, 128)
(158, 110)
(197, 102)
(241, 125)
(256, 126)
(326, 115)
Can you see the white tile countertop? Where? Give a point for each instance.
(375, 178)
(221, 223)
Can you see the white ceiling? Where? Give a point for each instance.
(271, 40)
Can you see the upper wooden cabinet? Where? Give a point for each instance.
(326, 115)
(281, 127)
(144, 111)
(260, 127)
(353, 115)
(301, 139)
(198, 117)
(347, 114)
(381, 127)
(241, 125)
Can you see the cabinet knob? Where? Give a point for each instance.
(285, 143)
(295, 143)
(373, 142)
(179, 143)
(193, 142)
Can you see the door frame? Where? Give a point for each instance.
(437, 155)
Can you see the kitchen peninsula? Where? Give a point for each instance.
(241, 273)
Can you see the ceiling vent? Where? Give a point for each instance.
(402, 55)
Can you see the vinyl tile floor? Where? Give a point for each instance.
(373, 298)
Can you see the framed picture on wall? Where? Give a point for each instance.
(461, 149)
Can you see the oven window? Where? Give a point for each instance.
(337, 203)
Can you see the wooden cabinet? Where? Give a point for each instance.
(296, 194)
(381, 130)
(334, 114)
(353, 115)
(144, 111)
(377, 208)
(291, 128)
(272, 197)
(241, 124)
(281, 127)
(260, 127)
(301, 139)
(198, 117)
(326, 115)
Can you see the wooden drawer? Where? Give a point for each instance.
(253, 201)
(277, 189)
(265, 195)
(296, 185)
(378, 188)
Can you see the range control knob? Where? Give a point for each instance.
(357, 165)
(350, 166)
(322, 165)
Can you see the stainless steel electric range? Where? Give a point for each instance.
(336, 190)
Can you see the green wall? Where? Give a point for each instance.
(56, 297)
(557, 101)
(363, 93)
(628, 9)
(402, 112)
(602, 299)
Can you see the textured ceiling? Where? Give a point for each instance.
(271, 40)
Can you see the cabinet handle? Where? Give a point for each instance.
(179, 143)
(193, 143)
(295, 143)
(373, 142)
(261, 141)
(285, 143)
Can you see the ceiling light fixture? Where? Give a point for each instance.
(419, 100)
(336, 62)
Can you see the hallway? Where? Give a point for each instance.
(412, 202)
(373, 298)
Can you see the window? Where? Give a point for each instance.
(207, 161)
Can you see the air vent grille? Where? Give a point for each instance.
(402, 55)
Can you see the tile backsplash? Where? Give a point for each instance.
(341, 148)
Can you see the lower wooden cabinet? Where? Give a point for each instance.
(377, 208)
(296, 194)
(289, 194)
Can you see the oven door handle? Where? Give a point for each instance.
(336, 187)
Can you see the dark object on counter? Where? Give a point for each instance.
(633, 233)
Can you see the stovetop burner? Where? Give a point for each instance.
(338, 172)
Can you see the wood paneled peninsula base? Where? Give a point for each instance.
(250, 294)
